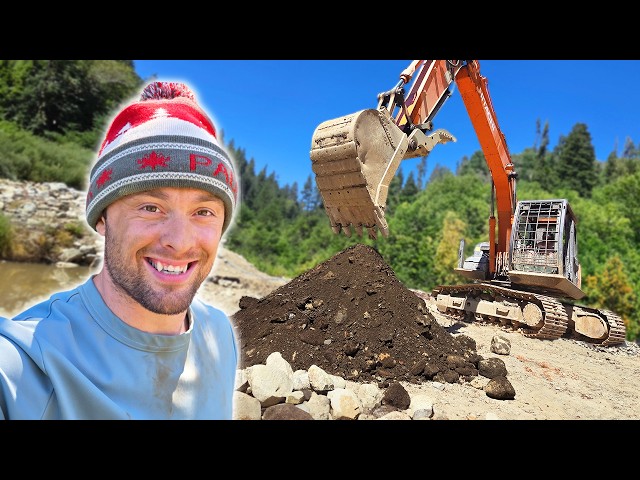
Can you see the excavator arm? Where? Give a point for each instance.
(475, 95)
(356, 157)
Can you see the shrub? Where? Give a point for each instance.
(6, 236)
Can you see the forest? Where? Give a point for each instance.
(53, 113)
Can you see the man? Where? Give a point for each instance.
(134, 341)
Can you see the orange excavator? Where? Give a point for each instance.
(527, 275)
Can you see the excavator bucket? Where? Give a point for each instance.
(355, 158)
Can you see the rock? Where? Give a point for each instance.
(500, 388)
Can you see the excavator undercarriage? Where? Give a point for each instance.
(535, 315)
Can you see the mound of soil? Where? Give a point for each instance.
(352, 317)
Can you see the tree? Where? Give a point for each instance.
(527, 165)
(310, 195)
(629, 150)
(624, 195)
(422, 168)
(394, 193)
(447, 250)
(611, 289)
(410, 189)
(542, 139)
(416, 228)
(576, 166)
(611, 168)
(476, 165)
(62, 96)
(439, 172)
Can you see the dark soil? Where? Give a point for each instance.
(353, 318)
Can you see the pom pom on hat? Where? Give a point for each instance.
(163, 140)
(158, 90)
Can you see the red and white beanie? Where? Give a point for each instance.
(163, 140)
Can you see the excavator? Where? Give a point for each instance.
(527, 275)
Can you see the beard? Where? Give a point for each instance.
(129, 279)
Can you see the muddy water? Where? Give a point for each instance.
(23, 284)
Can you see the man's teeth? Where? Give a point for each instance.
(161, 267)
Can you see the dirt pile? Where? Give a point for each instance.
(352, 317)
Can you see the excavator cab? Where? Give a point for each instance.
(544, 252)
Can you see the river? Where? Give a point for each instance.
(23, 284)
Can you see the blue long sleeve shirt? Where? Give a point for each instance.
(70, 357)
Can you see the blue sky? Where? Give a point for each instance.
(270, 108)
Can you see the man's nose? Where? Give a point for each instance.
(178, 233)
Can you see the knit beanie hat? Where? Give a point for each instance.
(163, 140)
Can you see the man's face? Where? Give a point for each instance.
(160, 245)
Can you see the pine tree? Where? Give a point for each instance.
(310, 195)
(410, 189)
(576, 166)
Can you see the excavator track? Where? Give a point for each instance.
(617, 330)
(556, 321)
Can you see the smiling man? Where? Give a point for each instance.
(134, 341)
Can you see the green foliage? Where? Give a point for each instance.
(310, 196)
(416, 228)
(575, 165)
(48, 97)
(615, 168)
(624, 192)
(395, 191)
(610, 288)
(439, 172)
(603, 232)
(542, 139)
(6, 236)
(53, 113)
(410, 189)
(76, 229)
(453, 230)
(24, 156)
(534, 166)
(476, 165)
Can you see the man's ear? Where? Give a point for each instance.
(101, 224)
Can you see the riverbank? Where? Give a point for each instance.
(49, 230)
(47, 224)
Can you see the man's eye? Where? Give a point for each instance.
(150, 208)
(205, 213)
